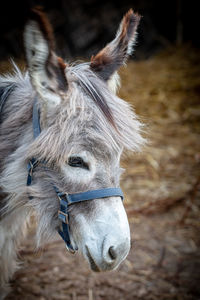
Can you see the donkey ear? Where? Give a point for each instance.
(115, 54)
(45, 68)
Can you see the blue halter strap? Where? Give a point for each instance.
(64, 198)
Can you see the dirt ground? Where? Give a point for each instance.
(162, 188)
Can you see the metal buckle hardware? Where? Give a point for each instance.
(70, 250)
(63, 216)
(64, 196)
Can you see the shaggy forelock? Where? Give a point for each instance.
(90, 117)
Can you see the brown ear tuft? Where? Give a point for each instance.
(129, 24)
(99, 61)
(115, 54)
(38, 15)
(61, 63)
(61, 77)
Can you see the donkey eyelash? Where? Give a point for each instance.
(77, 162)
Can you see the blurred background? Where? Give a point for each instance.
(82, 26)
(162, 183)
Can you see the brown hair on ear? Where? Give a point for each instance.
(38, 15)
(61, 77)
(61, 63)
(40, 51)
(115, 54)
(129, 25)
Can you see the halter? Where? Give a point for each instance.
(64, 198)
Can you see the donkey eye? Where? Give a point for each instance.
(77, 162)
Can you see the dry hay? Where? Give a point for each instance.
(166, 92)
(162, 198)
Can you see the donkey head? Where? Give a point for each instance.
(85, 128)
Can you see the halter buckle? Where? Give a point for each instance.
(70, 249)
(64, 196)
(64, 217)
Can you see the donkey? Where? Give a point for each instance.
(85, 127)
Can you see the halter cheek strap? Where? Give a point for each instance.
(64, 198)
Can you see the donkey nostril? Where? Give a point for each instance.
(112, 253)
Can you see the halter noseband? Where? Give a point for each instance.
(64, 198)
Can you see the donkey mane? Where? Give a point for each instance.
(90, 85)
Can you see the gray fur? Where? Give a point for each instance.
(89, 120)
(75, 125)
